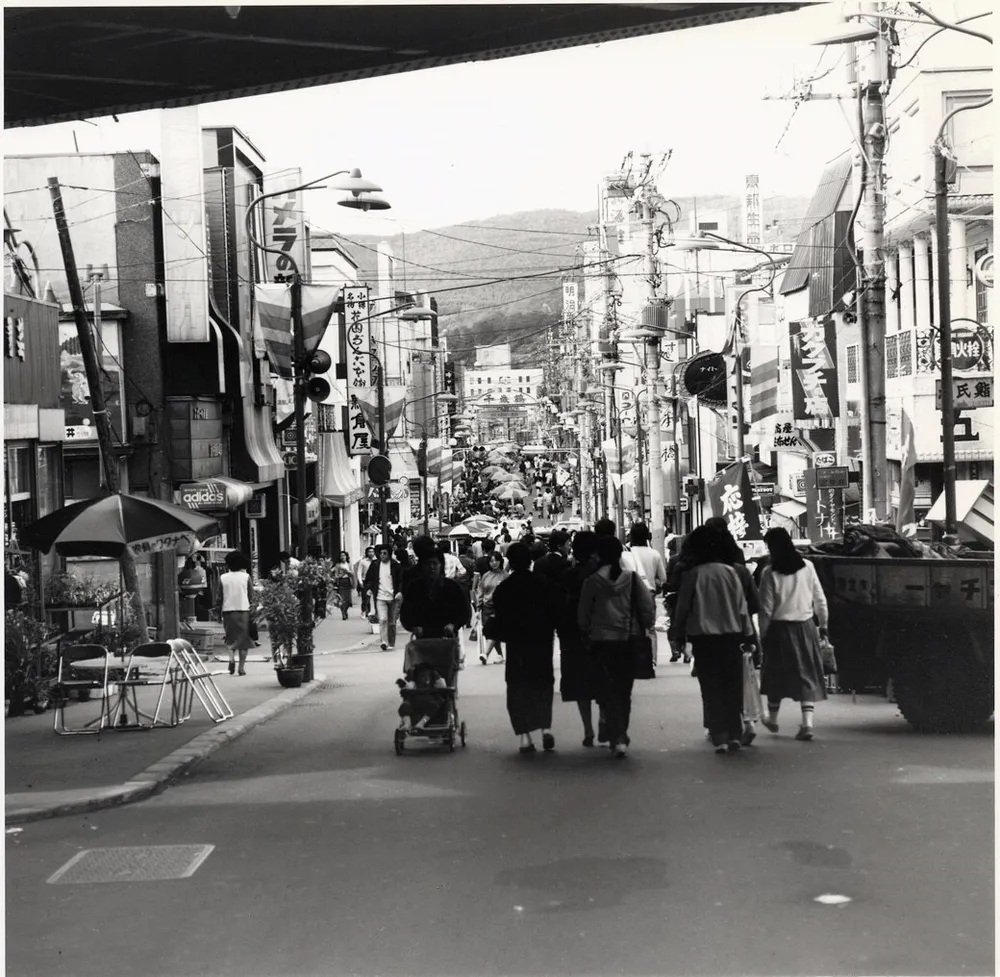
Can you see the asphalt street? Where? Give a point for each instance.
(331, 856)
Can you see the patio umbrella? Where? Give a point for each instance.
(507, 493)
(433, 525)
(476, 526)
(503, 477)
(489, 470)
(105, 526)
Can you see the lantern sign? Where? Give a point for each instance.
(704, 376)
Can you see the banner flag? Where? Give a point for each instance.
(731, 497)
(273, 309)
(905, 517)
(394, 400)
(764, 379)
(319, 302)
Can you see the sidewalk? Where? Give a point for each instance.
(47, 775)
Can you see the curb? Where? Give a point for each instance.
(158, 776)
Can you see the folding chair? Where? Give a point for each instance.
(172, 674)
(67, 681)
(198, 681)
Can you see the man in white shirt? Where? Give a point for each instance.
(647, 563)
(360, 572)
(383, 581)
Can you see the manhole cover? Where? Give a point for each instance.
(151, 863)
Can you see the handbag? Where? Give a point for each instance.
(829, 658)
(640, 644)
(753, 705)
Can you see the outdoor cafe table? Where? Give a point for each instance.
(180, 675)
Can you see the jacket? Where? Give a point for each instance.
(372, 575)
(432, 613)
(611, 610)
(712, 601)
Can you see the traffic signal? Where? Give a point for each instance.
(317, 387)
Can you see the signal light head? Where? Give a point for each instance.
(319, 362)
(317, 389)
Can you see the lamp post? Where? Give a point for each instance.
(360, 190)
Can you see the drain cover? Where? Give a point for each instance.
(151, 863)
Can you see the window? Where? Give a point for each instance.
(905, 354)
(891, 357)
(19, 473)
(982, 308)
(852, 364)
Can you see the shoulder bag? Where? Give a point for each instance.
(640, 644)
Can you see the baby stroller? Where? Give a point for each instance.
(443, 656)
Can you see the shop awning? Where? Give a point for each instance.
(790, 509)
(337, 485)
(217, 494)
(973, 509)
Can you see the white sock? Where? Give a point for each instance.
(772, 711)
(807, 715)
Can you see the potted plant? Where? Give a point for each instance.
(287, 600)
(29, 664)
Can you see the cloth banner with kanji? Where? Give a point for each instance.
(731, 497)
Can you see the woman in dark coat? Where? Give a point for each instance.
(576, 672)
(433, 605)
(526, 618)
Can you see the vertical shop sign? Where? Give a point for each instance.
(361, 370)
(814, 369)
(284, 225)
(824, 504)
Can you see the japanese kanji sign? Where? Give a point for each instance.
(969, 392)
(361, 369)
(731, 497)
(814, 369)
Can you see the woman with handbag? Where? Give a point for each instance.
(486, 586)
(614, 614)
(712, 614)
(790, 597)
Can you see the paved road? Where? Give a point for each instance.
(332, 856)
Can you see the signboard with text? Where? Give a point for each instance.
(814, 369)
(360, 365)
(968, 392)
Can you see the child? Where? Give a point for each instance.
(426, 701)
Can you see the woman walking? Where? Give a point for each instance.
(344, 582)
(790, 597)
(712, 614)
(526, 619)
(485, 589)
(236, 595)
(576, 672)
(615, 611)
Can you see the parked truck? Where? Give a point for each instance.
(926, 625)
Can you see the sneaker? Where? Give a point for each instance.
(385, 647)
(620, 750)
(733, 746)
(767, 724)
(748, 736)
(804, 733)
(721, 748)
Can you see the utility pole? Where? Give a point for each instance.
(875, 83)
(93, 369)
(651, 350)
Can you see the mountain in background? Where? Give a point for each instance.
(500, 279)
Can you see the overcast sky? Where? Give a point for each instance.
(471, 141)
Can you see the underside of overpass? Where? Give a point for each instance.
(70, 63)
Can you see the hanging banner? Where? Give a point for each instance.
(182, 183)
(814, 369)
(394, 400)
(273, 309)
(764, 378)
(284, 225)
(731, 497)
(361, 372)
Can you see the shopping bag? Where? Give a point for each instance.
(753, 705)
(829, 658)
(642, 646)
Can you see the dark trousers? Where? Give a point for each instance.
(615, 661)
(718, 660)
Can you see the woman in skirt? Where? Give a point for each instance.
(236, 600)
(790, 597)
(485, 589)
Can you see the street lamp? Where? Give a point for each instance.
(359, 198)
